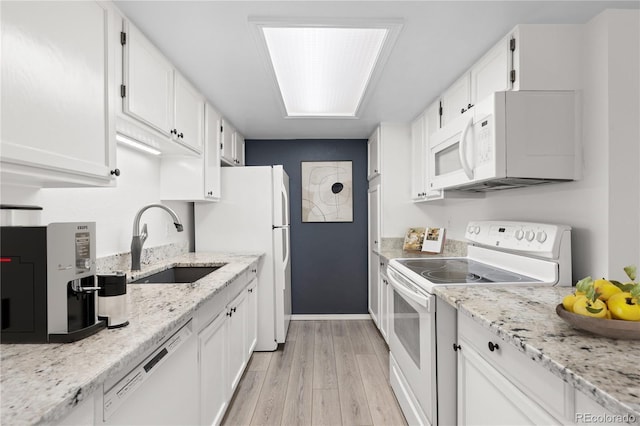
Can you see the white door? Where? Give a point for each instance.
(214, 391)
(373, 154)
(487, 397)
(189, 114)
(456, 99)
(237, 313)
(491, 73)
(412, 340)
(226, 141)
(211, 155)
(252, 317)
(374, 287)
(374, 218)
(57, 69)
(148, 77)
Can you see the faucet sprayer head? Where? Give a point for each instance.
(179, 227)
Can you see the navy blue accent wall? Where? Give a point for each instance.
(328, 260)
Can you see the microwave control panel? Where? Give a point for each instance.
(483, 140)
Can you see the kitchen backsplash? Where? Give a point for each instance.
(122, 261)
(452, 248)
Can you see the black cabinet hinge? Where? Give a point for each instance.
(221, 147)
(513, 76)
(123, 38)
(440, 109)
(512, 44)
(123, 91)
(221, 129)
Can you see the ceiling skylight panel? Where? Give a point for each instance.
(323, 71)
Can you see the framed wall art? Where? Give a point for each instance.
(327, 191)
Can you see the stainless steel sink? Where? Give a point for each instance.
(177, 274)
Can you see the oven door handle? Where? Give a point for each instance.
(407, 292)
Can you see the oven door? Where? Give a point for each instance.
(412, 344)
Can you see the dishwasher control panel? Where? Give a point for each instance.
(115, 396)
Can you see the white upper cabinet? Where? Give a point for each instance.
(190, 178)
(148, 82)
(58, 89)
(491, 73)
(456, 100)
(189, 105)
(160, 107)
(231, 144)
(373, 154)
(418, 158)
(238, 148)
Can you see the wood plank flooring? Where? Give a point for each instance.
(328, 373)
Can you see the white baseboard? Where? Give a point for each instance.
(327, 317)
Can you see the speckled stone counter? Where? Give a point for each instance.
(605, 369)
(41, 383)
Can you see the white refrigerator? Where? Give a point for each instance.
(253, 216)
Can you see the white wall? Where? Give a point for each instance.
(603, 208)
(113, 209)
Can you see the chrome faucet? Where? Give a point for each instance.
(140, 237)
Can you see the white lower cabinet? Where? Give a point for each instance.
(252, 316)
(374, 287)
(385, 300)
(497, 384)
(214, 397)
(237, 313)
(226, 345)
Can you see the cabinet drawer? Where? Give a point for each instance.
(237, 285)
(534, 380)
(210, 309)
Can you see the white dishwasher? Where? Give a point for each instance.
(161, 390)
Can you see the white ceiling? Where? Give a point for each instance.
(211, 42)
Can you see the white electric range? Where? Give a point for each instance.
(422, 332)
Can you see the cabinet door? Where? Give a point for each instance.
(373, 153)
(214, 391)
(418, 158)
(485, 396)
(491, 73)
(238, 149)
(456, 99)
(252, 317)
(237, 312)
(211, 155)
(226, 142)
(384, 301)
(374, 218)
(58, 86)
(374, 287)
(189, 114)
(148, 77)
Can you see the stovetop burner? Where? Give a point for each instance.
(461, 270)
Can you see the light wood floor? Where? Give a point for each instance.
(328, 373)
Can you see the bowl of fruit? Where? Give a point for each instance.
(604, 307)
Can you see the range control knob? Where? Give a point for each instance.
(476, 229)
(519, 234)
(529, 235)
(470, 229)
(541, 236)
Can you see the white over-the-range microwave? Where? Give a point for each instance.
(508, 140)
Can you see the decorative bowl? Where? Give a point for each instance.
(615, 329)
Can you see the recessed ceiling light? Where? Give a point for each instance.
(324, 70)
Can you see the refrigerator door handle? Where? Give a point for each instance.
(287, 248)
(285, 195)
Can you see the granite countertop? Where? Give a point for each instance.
(606, 369)
(41, 383)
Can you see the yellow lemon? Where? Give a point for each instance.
(586, 307)
(605, 288)
(568, 302)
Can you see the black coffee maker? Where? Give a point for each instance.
(48, 286)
